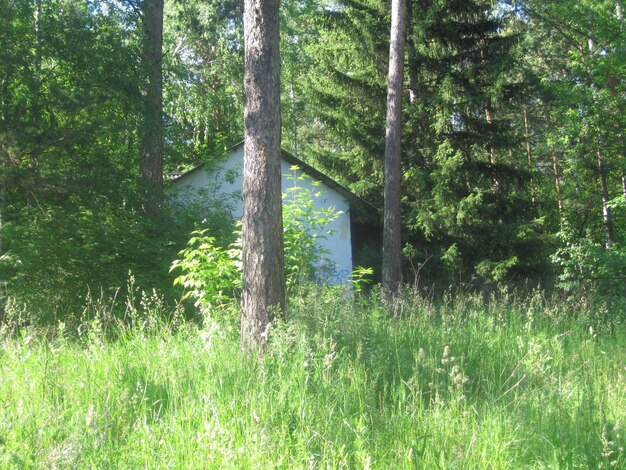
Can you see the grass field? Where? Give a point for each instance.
(466, 382)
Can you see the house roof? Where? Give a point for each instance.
(306, 168)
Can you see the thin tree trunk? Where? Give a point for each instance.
(529, 153)
(151, 137)
(557, 174)
(263, 292)
(392, 242)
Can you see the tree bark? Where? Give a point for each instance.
(151, 135)
(392, 248)
(263, 292)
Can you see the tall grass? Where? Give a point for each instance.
(466, 382)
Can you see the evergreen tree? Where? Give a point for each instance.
(465, 171)
(474, 189)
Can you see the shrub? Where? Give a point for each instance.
(211, 271)
(591, 269)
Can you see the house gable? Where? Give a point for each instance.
(220, 185)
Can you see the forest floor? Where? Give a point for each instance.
(466, 382)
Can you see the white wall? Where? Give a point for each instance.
(224, 183)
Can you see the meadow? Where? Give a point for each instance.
(467, 381)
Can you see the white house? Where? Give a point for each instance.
(221, 183)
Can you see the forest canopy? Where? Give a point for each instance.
(513, 152)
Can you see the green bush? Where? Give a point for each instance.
(210, 271)
(590, 269)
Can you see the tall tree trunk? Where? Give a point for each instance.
(263, 257)
(529, 153)
(557, 173)
(151, 135)
(392, 241)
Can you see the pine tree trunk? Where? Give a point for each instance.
(263, 292)
(392, 248)
(151, 134)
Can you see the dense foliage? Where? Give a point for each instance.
(513, 145)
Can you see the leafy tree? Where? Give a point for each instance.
(71, 206)
(580, 138)
(203, 80)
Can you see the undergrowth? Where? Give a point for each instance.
(465, 382)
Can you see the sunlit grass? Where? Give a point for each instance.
(464, 383)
